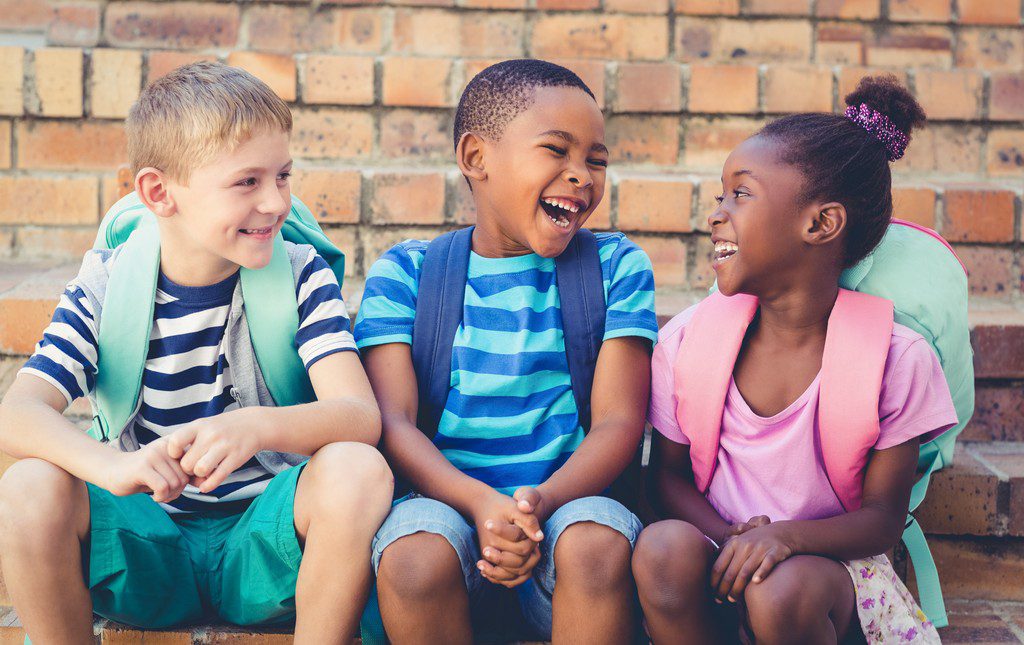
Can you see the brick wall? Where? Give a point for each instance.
(372, 86)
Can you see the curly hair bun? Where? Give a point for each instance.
(885, 94)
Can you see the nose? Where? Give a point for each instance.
(579, 176)
(275, 199)
(717, 216)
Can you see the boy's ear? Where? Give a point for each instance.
(828, 221)
(469, 154)
(152, 186)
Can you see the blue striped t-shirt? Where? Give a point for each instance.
(510, 419)
(187, 376)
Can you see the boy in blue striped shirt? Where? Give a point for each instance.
(206, 506)
(509, 490)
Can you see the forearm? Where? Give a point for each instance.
(33, 429)
(304, 429)
(677, 497)
(415, 458)
(868, 531)
(600, 458)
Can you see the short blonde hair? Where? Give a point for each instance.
(183, 120)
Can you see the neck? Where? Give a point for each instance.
(184, 264)
(490, 241)
(800, 313)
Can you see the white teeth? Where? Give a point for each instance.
(725, 250)
(256, 231)
(564, 204)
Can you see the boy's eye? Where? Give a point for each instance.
(555, 149)
(598, 162)
(249, 181)
(739, 193)
(284, 176)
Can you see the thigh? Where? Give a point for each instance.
(259, 568)
(140, 571)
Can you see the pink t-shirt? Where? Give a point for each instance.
(773, 465)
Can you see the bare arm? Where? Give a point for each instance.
(676, 495)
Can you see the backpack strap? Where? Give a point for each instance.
(703, 372)
(271, 312)
(581, 293)
(125, 326)
(852, 365)
(439, 301)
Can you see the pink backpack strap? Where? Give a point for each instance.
(852, 365)
(703, 372)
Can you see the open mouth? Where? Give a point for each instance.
(258, 233)
(562, 211)
(725, 250)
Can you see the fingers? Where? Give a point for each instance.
(505, 530)
(179, 441)
(506, 559)
(721, 566)
(759, 520)
(771, 559)
(509, 577)
(527, 499)
(158, 484)
(529, 524)
(172, 474)
(743, 578)
(519, 547)
(729, 577)
(229, 465)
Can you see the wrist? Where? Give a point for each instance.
(260, 424)
(788, 536)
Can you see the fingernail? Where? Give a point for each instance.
(540, 535)
(757, 578)
(718, 600)
(731, 599)
(489, 525)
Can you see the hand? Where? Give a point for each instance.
(147, 470)
(739, 528)
(508, 538)
(748, 557)
(210, 449)
(529, 500)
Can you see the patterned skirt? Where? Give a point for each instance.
(888, 613)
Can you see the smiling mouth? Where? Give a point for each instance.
(257, 231)
(725, 250)
(561, 211)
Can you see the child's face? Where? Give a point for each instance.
(232, 208)
(546, 174)
(759, 225)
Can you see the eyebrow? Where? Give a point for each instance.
(749, 173)
(256, 169)
(569, 138)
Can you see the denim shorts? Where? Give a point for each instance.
(424, 515)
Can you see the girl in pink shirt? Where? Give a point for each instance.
(805, 198)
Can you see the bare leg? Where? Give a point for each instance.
(593, 599)
(671, 564)
(805, 599)
(342, 497)
(422, 592)
(44, 519)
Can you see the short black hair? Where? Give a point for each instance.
(504, 90)
(843, 162)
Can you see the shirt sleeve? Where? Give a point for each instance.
(323, 318)
(67, 355)
(915, 399)
(630, 288)
(661, 412)
(388, 309)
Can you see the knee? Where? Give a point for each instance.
(780, 605)
(37, 500)
(417, 568)
(594, 556)
(670, 564)
(353, 470)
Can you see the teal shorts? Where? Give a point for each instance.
(152, 569)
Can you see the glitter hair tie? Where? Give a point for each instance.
(879, 125)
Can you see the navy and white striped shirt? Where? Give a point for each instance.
(187, 376)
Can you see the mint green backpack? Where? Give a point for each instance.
(270, 310)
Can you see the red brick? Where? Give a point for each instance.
(346, 238)
(778, 8)
(460, 200)
(850, 78)
(1005, 152)
(703, 274)
(722, 89)
(600, 36)
(849, 9)
(276, 70)
(637, 6)
(978, 215)
(359, 30)
(161, 63)
(998, 343)
(842, 43)
(59, 145)
(915, 205)
(48, 200)
(987, 12)
(333, 196)
(960, 562)
(178, 25)
(493, 4)
(648, 87)
(720, 41)
(12, 74)
(426, 32)
(283, 29)
(377, 240)
(332, 134)
(60, 243)
(916, 46)
(74, 24)
(424, 136)
(990, 49)
(953, 94)
(590, 72)
(19, 15)
(990, 272)
(643, 139)
(920, 10)
(962, 499)
(708, 143)
(567, 5)
(58, 76)
(1007, 96)
(341, 80)
(114, 83)
(998, 410)
(5, 144)
(488, 34)
(601, 217)
(421, 82)
(945, 149)
(668, 256)
(419, 3)
(707, 190)
(117, 634)
(1008, 460)
(407, 198)
(708, 7)
(655, 204)
(793, 88)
